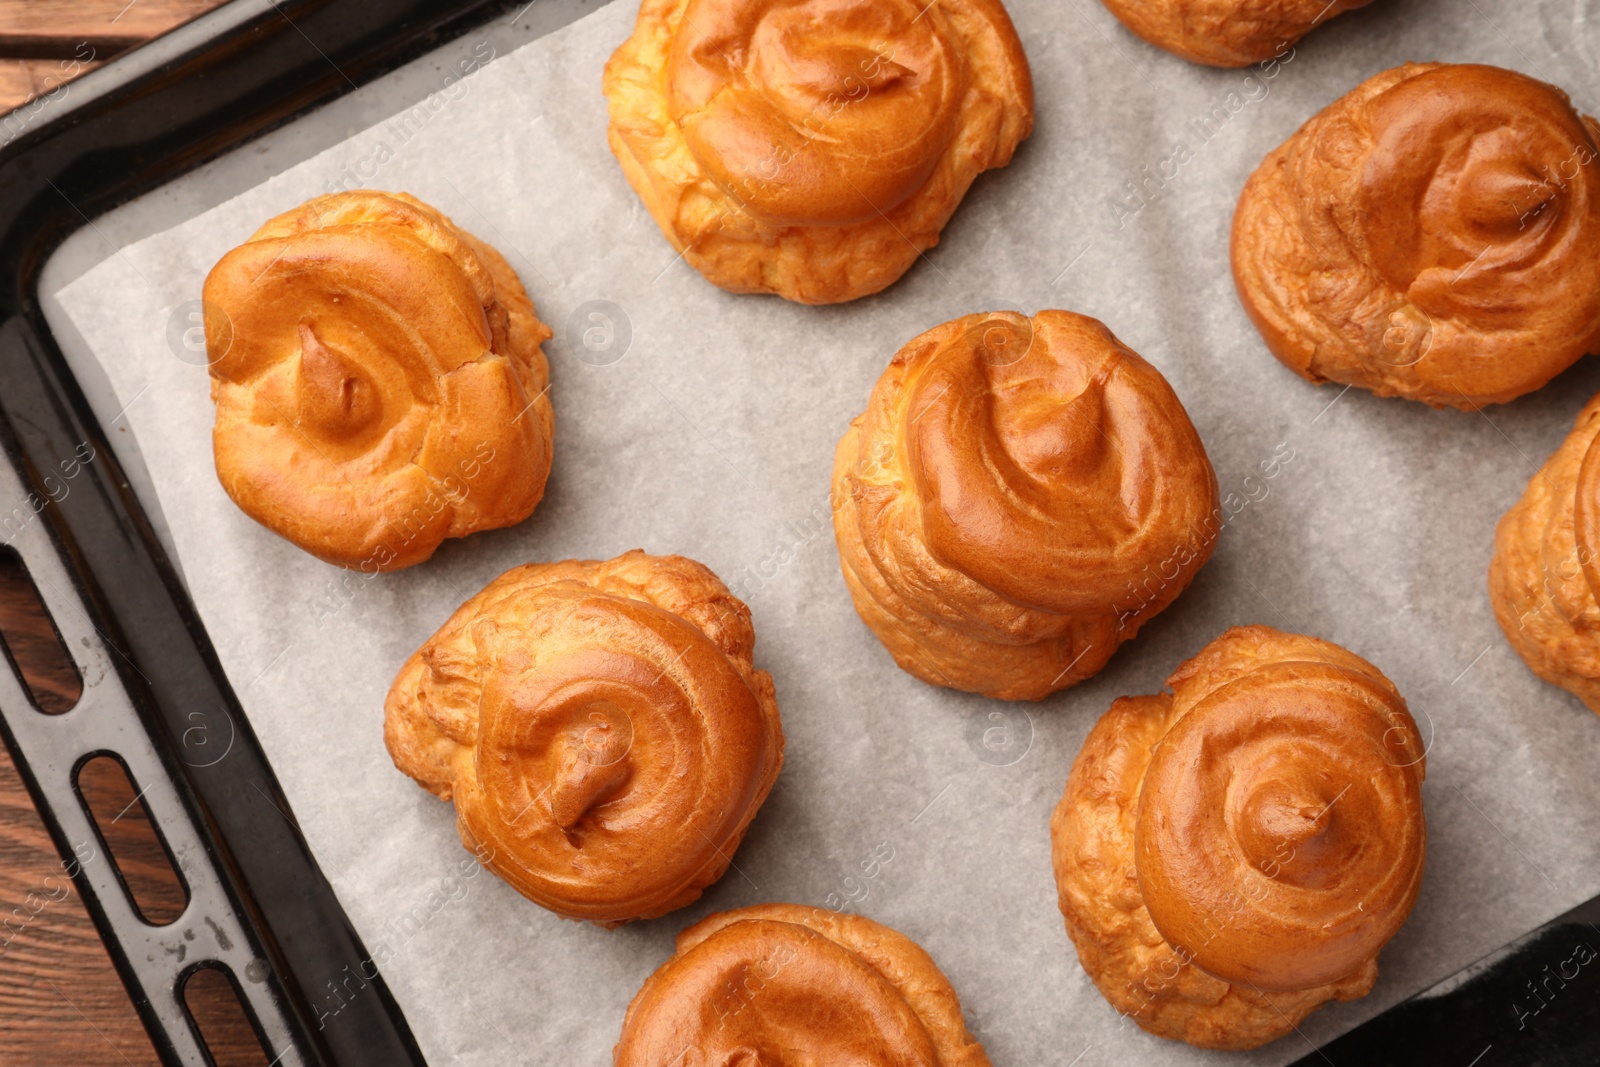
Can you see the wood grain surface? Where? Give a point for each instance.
(46, 43)
(61, 1001)
(21, 80)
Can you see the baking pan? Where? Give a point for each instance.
(154, 693)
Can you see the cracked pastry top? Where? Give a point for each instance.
(1433, 234)
(1545, 573)
(1227, 33)
(378, 381)
(1233, 853)
(813, 148)
(787, 984)
(600, 728)
(1020, 496)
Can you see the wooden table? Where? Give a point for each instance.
(46, 43)
(61, 1001)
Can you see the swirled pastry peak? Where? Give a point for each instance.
(813, 148)
(1544, 579)
(1235, 853)
(1019, 497)
(786, 984)
(1433, 234)
(1227, 33)
(378, 381)
(600, 728)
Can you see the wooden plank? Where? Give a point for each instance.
(23, 79)
(43, 45)
(60, 998)
(61, 1001)
(58, 29)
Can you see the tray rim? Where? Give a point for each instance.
(236, 27)
(163, 109)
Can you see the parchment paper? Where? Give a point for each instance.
(709, 430)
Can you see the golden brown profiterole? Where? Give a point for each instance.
(1545, 571)
(1433, 234)
(1233, 853)
(783, 983)
(1227, 33)
(600, 728)
(813, 148)
(1020, 496)
(378, 381)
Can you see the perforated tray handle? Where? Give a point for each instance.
(154, 960)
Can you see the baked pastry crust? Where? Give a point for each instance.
(1546, 567)
(378, 381)
(600, 727)
(1433, 234)
(1019, 497)
(813, 148)
(1234, 853)
(1227, 33)
(782, 983)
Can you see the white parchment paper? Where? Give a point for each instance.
(708, 428)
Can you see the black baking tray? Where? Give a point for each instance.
(309, 985)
